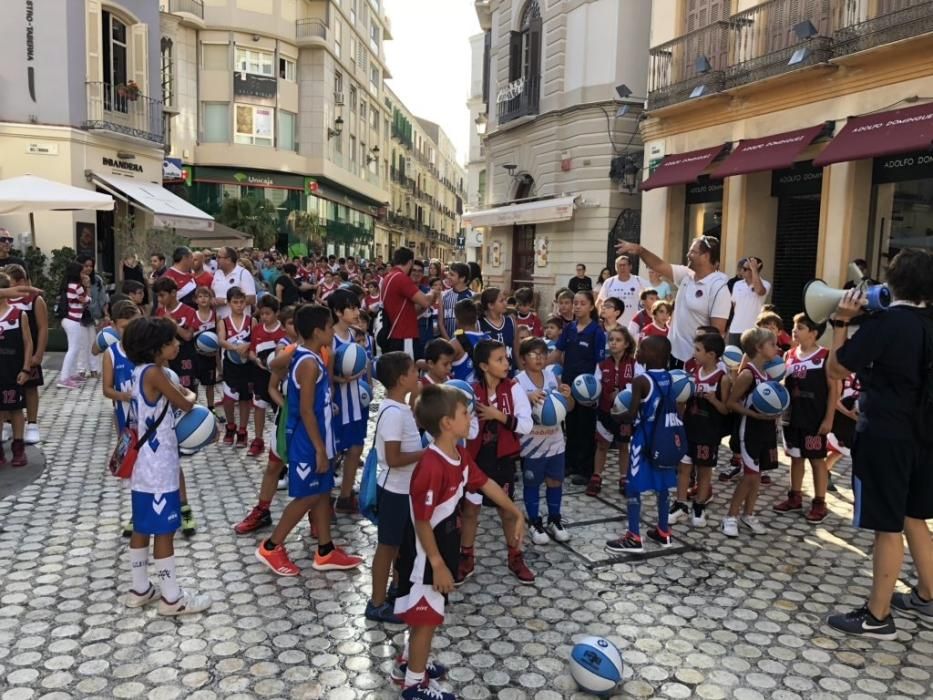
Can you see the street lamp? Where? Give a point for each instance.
(480, 122)
(337, 130)
(630, 174)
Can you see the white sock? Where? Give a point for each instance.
(412, 678)
(405, 649)
(139, 568)
(165, 571)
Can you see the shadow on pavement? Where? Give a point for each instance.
(15, 479)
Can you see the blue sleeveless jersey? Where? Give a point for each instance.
(642, 476)
(504, 334)
(122, 381)
(463, 368)
(347, 395)
(300, 447)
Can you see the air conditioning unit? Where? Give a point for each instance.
(338, 98)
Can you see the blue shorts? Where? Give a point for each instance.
(304, 481)
(347, 435)
(642, 477)
(536, 469)
(156, 513)
(394, 517)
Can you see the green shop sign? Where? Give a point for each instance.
(250, 178)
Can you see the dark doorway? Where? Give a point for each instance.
(798, 232)
(523, 256)
(106, 244)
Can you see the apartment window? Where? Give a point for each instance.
(338, 83)
(286, 130)
(353, 98)
(114, 60)
(288, 69)
(374, 120)
(256, 62)
(166, 54)
(353, 50)
(353, 150)
(338, 38)
(215, 56)
(363, 112)
(364, 155)
(353, 4)
(254, 125)
(374, 79)
(215, 122)
(374, 36)
(524, 64)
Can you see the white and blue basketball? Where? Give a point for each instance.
(551, 345)
(235, 357)
(770, 398)
(732, 356)
(207, 343)
(622, 403)
(556, 369)
(585, 389)
(107, 337)
(172, 376)
(551, 410)
(466, 390)
(776, 369)
(682, 386)
(596, 665)
(350, 359)
(196, 429)
(366, 394)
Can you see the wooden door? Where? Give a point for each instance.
(523, 256)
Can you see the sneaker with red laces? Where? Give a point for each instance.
(765, 479)
(230, 436)
(518, 567)
(465, 569)
(242, 439)
(794, 501)
(257, 518)
(256, 448)
(595, 485)
(817, 512)
(277, 560)
(19, 454)
(337, 560)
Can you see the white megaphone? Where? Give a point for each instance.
(820, 300)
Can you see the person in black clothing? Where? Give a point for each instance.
(580, 282)
(286, 288)
(891, 472)
(6, 245)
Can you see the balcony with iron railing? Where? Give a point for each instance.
(775, 37)
(124, 110)
(310, 30)
(195, 8)
(521, 99)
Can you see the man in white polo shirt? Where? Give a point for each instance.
(231, 274)
(748, 297)
(703, 297)
(624, 286)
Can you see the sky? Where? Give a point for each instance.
(430, 60)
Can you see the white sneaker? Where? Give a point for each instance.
(754, 524)
(538, 534)
(678, 515)
(31, 436)
(556, 528)
(138, 600)
(282, 484)
(187, 604)
(730, 526)
(698, 520)
(7, 433)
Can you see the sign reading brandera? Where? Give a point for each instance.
(125, 165)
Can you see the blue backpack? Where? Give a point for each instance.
(667, 444)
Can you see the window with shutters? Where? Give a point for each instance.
(166, 54)
(703, 12)
(520, 96)
(115, 61)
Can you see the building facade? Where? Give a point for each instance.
(553, 77)
(798, 132)
(287, 100)
(80, 104)
(476, 157)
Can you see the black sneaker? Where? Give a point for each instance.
(730, 473)
(578, 479)
(912, 605)
(831, 486)
(627, 544)
(662, 538)
(861, 623)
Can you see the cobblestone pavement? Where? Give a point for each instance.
(711, 618)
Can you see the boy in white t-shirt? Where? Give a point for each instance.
(398, 446)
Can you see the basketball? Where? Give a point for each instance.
(172, 376)
(681, 386)
(596, 665)
(366, 394)
(196, 429)
(467, 391)
(585, 389)
(207, 343)
(107, 337)
(776, 369)
(556, 369)
(550, 411)
(235, 357)
(732, 356)
(770, 398)
(623, 402)
(350, 360)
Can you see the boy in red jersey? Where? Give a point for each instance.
(186, 321)
(524, 302)
(263, 342)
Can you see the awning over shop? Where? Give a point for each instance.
(881, 134)
(767, 153)
(221, 236)
(541, 211)
(681, 168)
(168, 210)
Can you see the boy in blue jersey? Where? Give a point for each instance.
(465, 339)
(351, 418)
(310, 438)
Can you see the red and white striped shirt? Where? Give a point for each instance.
(78, 301)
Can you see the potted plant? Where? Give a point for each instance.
(129, 90)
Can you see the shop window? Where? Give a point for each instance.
(255, 62)
(254, 125)
(215, 122)
(902, 208)
(286, 130)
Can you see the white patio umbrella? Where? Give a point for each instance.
(28, 194)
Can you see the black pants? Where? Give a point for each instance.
(581, 440)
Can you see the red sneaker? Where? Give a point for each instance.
(256, 448)
(337, 560)
(518, 567)
(19, 454)
(765, 479)
(241, 439)
(229, 436)
(818, 511)
(465, 570)
(595, 485)
(794, 501)
(257, 518)
(277, 560)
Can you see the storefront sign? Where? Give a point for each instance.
(126, 166)
(904, 166)
(251, 178)
(252, 85)
(172, 170)
(802, 179)
(705, 190)
(30, 50)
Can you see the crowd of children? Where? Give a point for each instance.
(439, 462)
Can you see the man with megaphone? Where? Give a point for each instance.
(892, 474)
